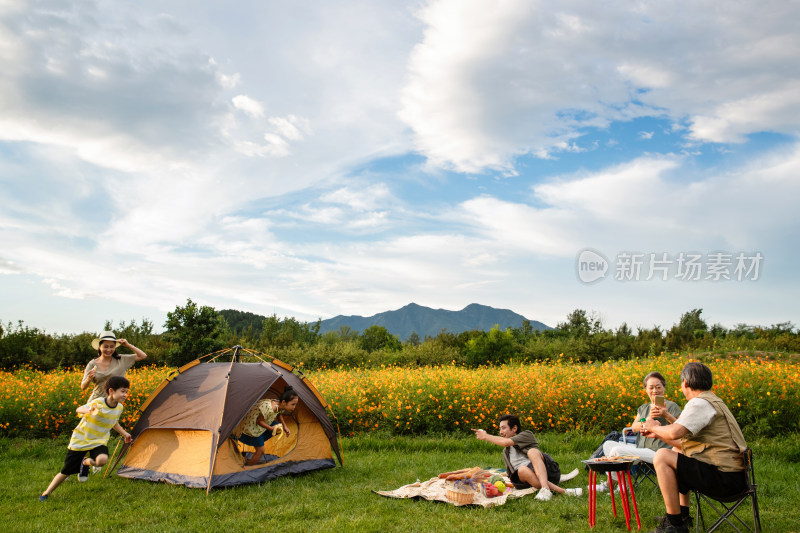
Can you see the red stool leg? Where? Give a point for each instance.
(611, 490)
(633, 497)
(592, 497)
(623, 495)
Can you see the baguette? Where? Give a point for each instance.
(468, 474)
(444, 475)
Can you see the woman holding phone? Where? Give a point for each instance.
(658, 408)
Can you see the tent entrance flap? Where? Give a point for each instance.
(172, 451)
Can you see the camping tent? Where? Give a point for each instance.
(184, 434)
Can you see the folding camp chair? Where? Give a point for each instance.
(730, 505)
(642, 470)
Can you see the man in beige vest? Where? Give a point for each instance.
(707, 450)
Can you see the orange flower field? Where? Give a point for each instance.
(764, 395)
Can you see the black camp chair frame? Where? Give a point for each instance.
(644, 471)
(726, 507)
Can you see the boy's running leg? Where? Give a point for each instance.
(53, 484)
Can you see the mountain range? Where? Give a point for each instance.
(426, 321)
(402, 322)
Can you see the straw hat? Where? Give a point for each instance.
(105, 336)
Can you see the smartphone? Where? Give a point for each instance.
(659, 401)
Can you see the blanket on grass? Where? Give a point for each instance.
(434, 489)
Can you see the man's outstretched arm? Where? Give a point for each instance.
(481, 434)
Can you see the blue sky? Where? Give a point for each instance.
(315, 159)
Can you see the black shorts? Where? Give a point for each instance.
(550, 464)
(696, 475)
(74, 459)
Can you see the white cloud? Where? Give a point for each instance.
(360, 199)
(641, 205)
(8, 267)
(613, 193)
(360, 209)
(227, 81)
(248, 105)
(277, 142)
(290, 127)
(646, 76)
(148, 92)
(486, 85)
(731, 121)
(276, 145)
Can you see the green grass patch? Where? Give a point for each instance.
(341, 499)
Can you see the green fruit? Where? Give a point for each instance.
(495, 478)
(501, 487)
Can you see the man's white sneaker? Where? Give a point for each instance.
(544, 495)
(574, 492)
(602, 487)
(97, 469)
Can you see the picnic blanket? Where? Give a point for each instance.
(434, 489)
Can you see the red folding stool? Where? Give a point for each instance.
(623, 470)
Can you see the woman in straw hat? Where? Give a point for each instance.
(108, 362)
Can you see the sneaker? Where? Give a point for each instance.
(687, 521)
(544, 495)
(664, 526)
(97, 469)
(83, 475)
(574, 492)
(603, 487)
(43, 497)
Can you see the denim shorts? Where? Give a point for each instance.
(255, 442)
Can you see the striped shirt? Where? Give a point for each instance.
(94, 428)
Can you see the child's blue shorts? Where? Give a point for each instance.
(255, 442)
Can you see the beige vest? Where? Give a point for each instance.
(721, 442)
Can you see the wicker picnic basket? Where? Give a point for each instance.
(459, 493)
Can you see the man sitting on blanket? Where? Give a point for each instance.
(526, 464)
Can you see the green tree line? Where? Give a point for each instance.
(191, 331)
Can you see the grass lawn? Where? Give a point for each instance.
(341, 499)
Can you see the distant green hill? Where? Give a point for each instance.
(239, 321)
(426, 321)
(404, 321)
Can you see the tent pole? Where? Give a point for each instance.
(339, 434)
(216, 436)
(214, 451)
(122, 453)
(108, 465)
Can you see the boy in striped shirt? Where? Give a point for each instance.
(100, 416)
